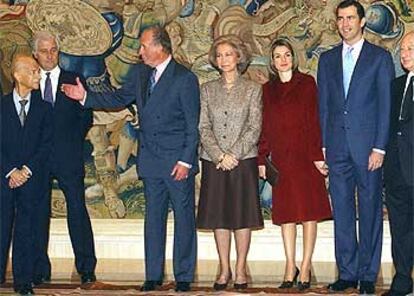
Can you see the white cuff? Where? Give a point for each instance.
(82, 102)
(11, 172)
(187, 165)
(380, 151)
(29, 170)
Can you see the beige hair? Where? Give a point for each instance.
(239, 47)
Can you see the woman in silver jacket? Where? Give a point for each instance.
(230, 126)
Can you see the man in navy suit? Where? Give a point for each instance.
(354, 81)
(398, 172)
(70, 125)
(168, 104)
(26, 137)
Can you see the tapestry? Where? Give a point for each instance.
(99, 40)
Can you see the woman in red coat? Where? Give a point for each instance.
(291, 136)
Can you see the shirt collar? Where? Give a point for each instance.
(161, 67)
(357, 47)
(17, 97)
(54, 73)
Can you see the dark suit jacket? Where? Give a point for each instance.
(401, 135)
(29, 145)
(71, 123)
(361, 120)
(168, 118)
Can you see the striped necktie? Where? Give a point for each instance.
(22, 113)
(153, 82)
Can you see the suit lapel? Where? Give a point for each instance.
(59, 94)
(337, 63)
(34, 100)
(12, 114)
(362, 63)
(400, 94)
(161, 87)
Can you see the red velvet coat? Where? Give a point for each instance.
(291, 134)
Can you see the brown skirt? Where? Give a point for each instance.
(229, 199)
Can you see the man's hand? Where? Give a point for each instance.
(74, 91)
(375, 160)
(180, 172)
(18, 178)
(262, 172)
(322, 167)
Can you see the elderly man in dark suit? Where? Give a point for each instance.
(26, 135)
(398, 172)
(354, 81)
(70, 125)
(168, 103)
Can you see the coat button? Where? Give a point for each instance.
(224, 137)
(399, 133)
(345, 112)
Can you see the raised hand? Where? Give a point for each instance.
(74, 91)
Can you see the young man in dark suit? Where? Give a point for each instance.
(398, 172)
(168, 100)
(354, 81)
(66, 164)
(26, 135)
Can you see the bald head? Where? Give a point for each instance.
(26, 73)
(407, 51)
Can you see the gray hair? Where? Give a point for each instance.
(41, 36)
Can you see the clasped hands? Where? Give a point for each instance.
(227, 162)
(18, 177)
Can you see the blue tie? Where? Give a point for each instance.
(348, 68)
(48, 94)
(152, 81)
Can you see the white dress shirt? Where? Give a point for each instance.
(54, 78)
(357, 48)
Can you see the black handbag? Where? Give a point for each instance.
(272, 173)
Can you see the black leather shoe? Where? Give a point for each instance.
(394, 293)
(24, 291)
(88, 277)
(242, 286)
(38, 280)
(366, 287)
(289, 284)
(342, 285)
(150, 285)
(182, 287)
